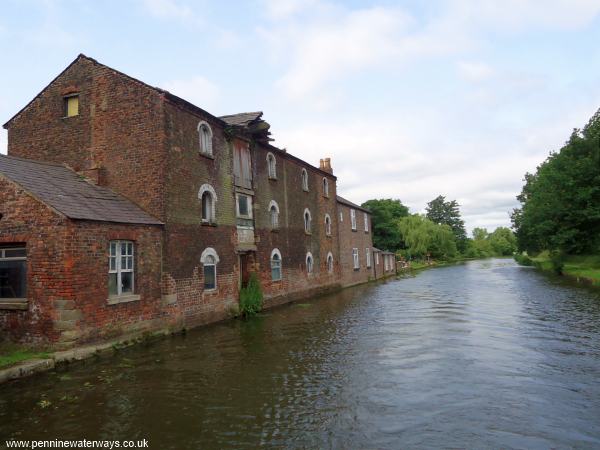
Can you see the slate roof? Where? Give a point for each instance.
(241, 119)
(67, 192)
(352, 205)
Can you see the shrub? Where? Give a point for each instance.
(557, 258)
(251, 297)
(523, 259)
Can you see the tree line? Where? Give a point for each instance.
(560, 202)
(438, 234)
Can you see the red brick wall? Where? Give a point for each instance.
(350, 239)
(119, 130)
(25, 220)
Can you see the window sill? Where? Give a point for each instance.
(14, 303)
(116, 299)
(210, 291)
(308, 233)
(354, 230)
(273, 178)
(305, 190)
(207, 155)
(69, 117)
(209, 224)
(356, 269)
(274, 230)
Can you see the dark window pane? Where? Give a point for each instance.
(243, 205)
(15, 253)
(13, 278)
(209, 277)
(126, 282)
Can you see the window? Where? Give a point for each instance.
(355, 258)
(327, 225)
(209, 260)
(242, 165)
(325, 187)
(13, 272)
(368, 255)
(366, 217)
(120, 268)
(307, 221)
(244, 210)
(71, 105)
(272, 166)
(275, 265)
(304, 180)
(385, 263)
(309, 263)
(329, 262)
(353, 219)
(341, 216)
(274, 214)
(377, 258)
(208, 199)
(205, 138)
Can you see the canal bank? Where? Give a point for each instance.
(583, 269)
(485, 354)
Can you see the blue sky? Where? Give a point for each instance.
(410, 99)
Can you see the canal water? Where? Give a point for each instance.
(482, 355)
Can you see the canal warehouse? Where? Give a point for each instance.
(126, 209)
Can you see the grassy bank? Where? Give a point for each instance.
(584, 268)
(12, 354)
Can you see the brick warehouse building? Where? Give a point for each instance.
(128, 209)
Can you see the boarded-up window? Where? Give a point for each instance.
(242, 166)
(71, 106)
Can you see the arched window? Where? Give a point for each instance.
(276, 265)
(307, 220)
(325, 187)
(309, 263)
(208, 199)
(329, 262)
(274, 214)
(304, 180)
(209, 260)
(272, 166)
(205, 137)
(327, 225)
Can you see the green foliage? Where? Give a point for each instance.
(423, 237)
(11, 354)
(251, 297)
(384, 214)
(445, 212)
(523, 259)
(560, 202)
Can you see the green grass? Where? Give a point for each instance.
(580, 266)
(12, 354)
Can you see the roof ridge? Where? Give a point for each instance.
(35, 161)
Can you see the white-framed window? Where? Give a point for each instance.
(304, 180)
(13, 272)
(208, 200)
(209, 260)
(307, 220)
(327, 225)
(385, 262)
(276, 273)
(377, 258)
(205, 137)
(309, 263)
(355, 259)
(341, 216)
(329, 262)
(325, 187)
(366, 219)
(274, 214)
(353, 219)
(272, 166)
(368, 256)
(120, 268)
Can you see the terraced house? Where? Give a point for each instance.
(125, 209)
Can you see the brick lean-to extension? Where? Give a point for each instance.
(204, 200)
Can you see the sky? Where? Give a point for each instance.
(410, 99)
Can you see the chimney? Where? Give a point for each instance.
(325, 165)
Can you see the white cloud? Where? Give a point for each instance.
(198, 90)
(283, 9)
(474, 71)
(323, 50)
(168, 9)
